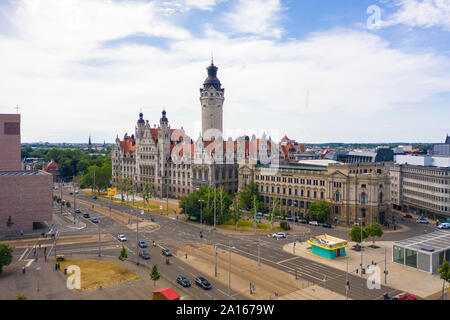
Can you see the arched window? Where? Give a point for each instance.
(380, 198)
(337, 197)
(363, 197)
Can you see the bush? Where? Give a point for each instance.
(285, 226)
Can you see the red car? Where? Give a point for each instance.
(406, 297)
(408, 216)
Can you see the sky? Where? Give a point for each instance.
(315, 70)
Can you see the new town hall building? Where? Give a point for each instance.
(170, 161)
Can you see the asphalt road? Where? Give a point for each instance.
(174, 233)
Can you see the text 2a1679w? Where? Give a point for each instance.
(247, 309)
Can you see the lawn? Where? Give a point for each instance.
(152, 205)
(95, 273)
(246, 225)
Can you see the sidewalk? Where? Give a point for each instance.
(52, 284)
(400, 277)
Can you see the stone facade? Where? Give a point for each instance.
(10, 142)
(35, 189)
(25, 196)
(170, 161)
(352, 191)
(423, 190)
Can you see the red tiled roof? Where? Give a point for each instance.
(127, 145)
(52, 165)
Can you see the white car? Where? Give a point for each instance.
(122, 238)
(444, 225)
(422, 220)
(279, 235)
(314, 223)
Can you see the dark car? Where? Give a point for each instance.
(291, 219)
(202, 282)
(166, 252)
(71, 193)
(77, 211)
(144, 255)
(94, 220)
(304, 221)
(86, 215)
(407, 216)
(94, 197)
(183, 281)
(142, 244)
(326, 225)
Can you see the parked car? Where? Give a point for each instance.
(279, 235)
(202, 282)
(121, 238)
(71, 193)
(78, 211)
(314, 223)
(406, 297)
(422, 220)
(304, 221)
(94, 197)
(444, 225)
(266, 214)
(144, 255)
(86, 215)
(94, 220)
(142, 244)
(407, 216)
(326, 225)
(259, 214)
(292, 219)
(183, 281)
(166, 252)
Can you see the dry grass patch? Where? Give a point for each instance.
(95, 273)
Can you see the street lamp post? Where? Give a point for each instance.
(201, 214)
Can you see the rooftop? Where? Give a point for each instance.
(437, 241)
(22, 173)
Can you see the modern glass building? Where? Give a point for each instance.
(425, 252)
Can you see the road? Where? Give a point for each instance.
(174, 233)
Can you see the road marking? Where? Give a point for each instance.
(30, 261)
(279, 262)
(225, 294)
(23, 254)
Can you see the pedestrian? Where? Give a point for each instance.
(45, 258)
(56, 266)
(45, 250)
(23, 270)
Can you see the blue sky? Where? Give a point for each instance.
(310, 69)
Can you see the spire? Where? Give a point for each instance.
(164, 118)
(141, 118)
(212, 77)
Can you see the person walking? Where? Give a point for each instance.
(23, 270)
(56, 267)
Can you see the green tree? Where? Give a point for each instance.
(68, 204)
(237, 212)
(284, 225)
(66, 168)
(147, 192)
(102, 177)
(6, 255)
(444, 271)
(154, 274)
(374, 230)
(275, 211)
(38, 166)
(123, 254)
(190, 205)
(319, 210)
(246, 196)
(355, 235)
(21, 297)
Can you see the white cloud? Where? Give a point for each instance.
(201, 4)
(259, 17)
(425, 14)
(348, 74)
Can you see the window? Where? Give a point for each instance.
(337, 196)
(363, 197)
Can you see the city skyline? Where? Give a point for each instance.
(318, 74)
